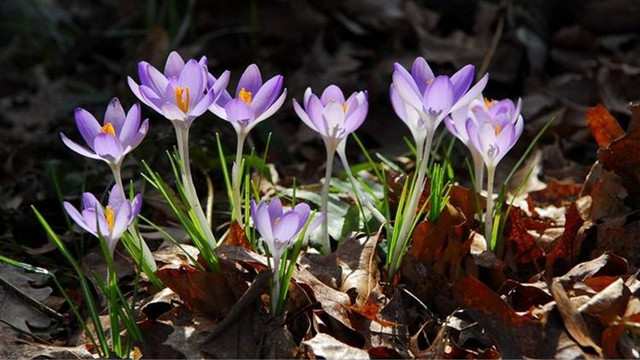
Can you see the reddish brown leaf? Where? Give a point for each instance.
(516, 336)
(527, 249)
(237, 237)
(610, 338)
(442, 245)
(565, 248)
(208, 293)
(556, 193)
(604, 127)
(370, 309)
(573, 320)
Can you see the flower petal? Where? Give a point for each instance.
(287, 227)
(473, 93)
(355, 119)
(116, 198)
(136, 206)
(462, 80)
(114, 115)
(330, 94)
(139, 136)
(421, 73)
(438, 97)
(120, 224)
(156, 81)
(78, 149)
(273, 107)
(251, 80)
(267, 94)
(303, 210)
(275, 209)
(130, 126)
(87, 125)
(77, 218)
(262, 221)
(174, 65)
(193, 76)
(219, 87)
(303, 115)
(239, 112)
(401, 71)
(173, 113)
(333, 116)
(108, 147)
(408, 92)
(202, 106)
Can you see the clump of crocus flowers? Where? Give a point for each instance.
(187, 90)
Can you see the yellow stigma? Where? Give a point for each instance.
(182, 97)
(489, 102)
(110, 217)
(345, 107)
(245, 96)
(108, 128)
(497, 129)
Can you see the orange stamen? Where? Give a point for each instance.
(345, 107)
(183, 95)
(489, 102)
(110, 217)
(497, 129)
(245, 96)
(108, 128)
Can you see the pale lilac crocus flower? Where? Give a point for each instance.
(118, 135)
(110, 221)
(279, 229)
(456, 123)
(493, 130)
(182, 93)
(334, 118)
(422, 101)
(253, 103)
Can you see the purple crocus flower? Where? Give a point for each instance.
(331, 115)
(119, 134)
(494, 128)
(254, 101)
(279, 228)
(110, 221)
(185, 90)
(422, 100)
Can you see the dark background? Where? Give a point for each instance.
(56, 55)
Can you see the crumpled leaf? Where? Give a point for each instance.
(237, 236)
(604, 127)
(330, 348)
(573, 320)
(14, 309)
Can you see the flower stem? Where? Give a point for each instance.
(115, 169)
(326, 246)
(236, 175)
(182, 134)
(488, 222)
(275, 287)
(356, 187)
(423, 152)
(478, 169)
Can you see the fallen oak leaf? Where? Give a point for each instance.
(573, 320)
(329, 347)
(515, 336)
(237, 237)
(604, 127)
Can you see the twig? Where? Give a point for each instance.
(492, 49)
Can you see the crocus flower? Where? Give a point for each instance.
(331, 115)
(334, 118)
(456, 123)
(279, 229)
(422, 100)
(118, 135)
(254, 100)
(185, 90)
(110, 221)
(493, 130)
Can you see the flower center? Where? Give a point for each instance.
(182, 97)
(108, 129)
(245, 96)
(497, 129)
(110, 217)
(345, 107)
(489, 102)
